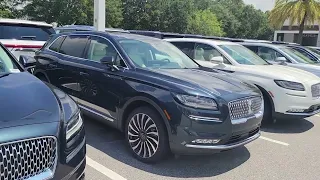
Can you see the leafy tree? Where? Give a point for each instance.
(204, 22)
(301, 12)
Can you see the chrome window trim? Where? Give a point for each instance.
(45, 175)
(83, 59)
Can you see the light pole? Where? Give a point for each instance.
(99, 14)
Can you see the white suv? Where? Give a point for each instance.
(288, 92)
(24, 37)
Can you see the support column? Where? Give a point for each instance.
(99, 15)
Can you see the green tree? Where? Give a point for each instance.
(301, 12)
(204, 22)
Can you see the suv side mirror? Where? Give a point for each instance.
(217, 59)
(110, 62)
(281, 60)
(27, 61)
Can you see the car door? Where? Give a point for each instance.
(101, 86)
(72, 52)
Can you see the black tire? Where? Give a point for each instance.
(267, 115)
(148, 144)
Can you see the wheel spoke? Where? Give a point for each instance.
(133, 135)
(153, 133)
(144, 149)
(134, 123)
(136, 146)
(152, 146)
(151, 126)
(141, 121)
(148, 147)
(141, 147)
(146, 123)
(154, 140)
(132, 141)
(133, 129)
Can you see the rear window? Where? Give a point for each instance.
(25, 32)
(74, 46)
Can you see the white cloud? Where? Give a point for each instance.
(264, 5)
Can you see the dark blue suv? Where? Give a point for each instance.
(153, 92)
(41, 130)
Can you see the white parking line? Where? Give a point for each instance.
(317, 115)
(105, 171)
(274, 141)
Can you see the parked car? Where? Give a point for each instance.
(71, 28)
(307, 52)
(24, 37)
(41, 129)
(287, 92)
(147, 88)
(283, 55)
(316, 48)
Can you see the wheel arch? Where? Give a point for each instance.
(139, 101)
(269, 98)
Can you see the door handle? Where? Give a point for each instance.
(83, 74)
(52, 66)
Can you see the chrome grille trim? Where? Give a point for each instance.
(29, 159)
(245, 108)
(315, 90)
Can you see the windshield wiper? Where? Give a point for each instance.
(4, 74)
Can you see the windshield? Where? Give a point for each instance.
(25, 32)
(155, 54)
(297, 56)
(315, 52)
(6, 63)
(243, 55)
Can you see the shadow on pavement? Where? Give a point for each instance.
(111, 142)
(288, 126)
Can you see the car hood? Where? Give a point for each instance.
(26, 100)
(312, 68)
(278, 72)
(206, 83)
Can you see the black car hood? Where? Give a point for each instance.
(26, 100)
(213, 83)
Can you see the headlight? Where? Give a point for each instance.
(290, 85)
(197, 102)
(74, 125)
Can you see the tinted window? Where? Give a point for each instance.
(204, 52)
(25, 32)
(186, 47)
(304, 53)
(57, 43)
(74, 45)
(100, 48)
(253, 48)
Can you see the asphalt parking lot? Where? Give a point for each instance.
(286, 150)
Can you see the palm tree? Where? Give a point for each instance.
(301, 12)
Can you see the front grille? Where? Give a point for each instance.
(239, 137)
(315, 90)
(244, 108)
(27, 158)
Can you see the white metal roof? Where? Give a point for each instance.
(19, 21)
(199, 40)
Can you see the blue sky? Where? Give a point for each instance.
(264, 5)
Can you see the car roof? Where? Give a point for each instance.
(25, 22)
(115, 35)
(88, 28)
(199, 40)
(263, 44)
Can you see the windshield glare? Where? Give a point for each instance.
(297, 56)
(6, 63)
(156, 54)
(243, 55)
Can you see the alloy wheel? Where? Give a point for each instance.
(143, 135)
